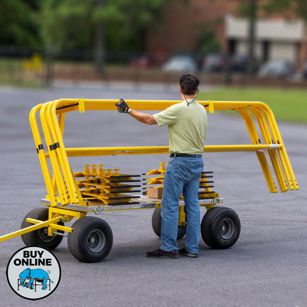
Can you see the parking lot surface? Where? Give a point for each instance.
(266, 267)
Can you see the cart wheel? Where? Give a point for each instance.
(40, 237)
(91, 239)
(220, 227)
(156, 224)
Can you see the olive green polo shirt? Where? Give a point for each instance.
(187, 124)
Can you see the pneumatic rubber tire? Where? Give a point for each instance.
(220, 227)
(156, 224)
(91, 239)
(40, 237)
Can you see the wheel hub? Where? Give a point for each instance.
(96, 241)
(43, 235)
(227, 229)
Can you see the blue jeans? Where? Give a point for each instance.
(182, 176)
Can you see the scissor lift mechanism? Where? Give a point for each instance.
(65, 202)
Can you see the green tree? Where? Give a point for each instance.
(104, 24)
(66, 24)
(250, 9)
(207, 42)
(19, 23)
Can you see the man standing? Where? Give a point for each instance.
(187, 124)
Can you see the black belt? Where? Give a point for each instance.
(175, 154)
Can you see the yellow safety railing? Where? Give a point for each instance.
(59, 180)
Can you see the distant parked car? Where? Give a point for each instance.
(277, 69)
(180, 63)
(215, 62)
(239, 63)
(143, 61)
(304, 71)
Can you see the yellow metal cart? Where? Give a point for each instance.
(72, 195)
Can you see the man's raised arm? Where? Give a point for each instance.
(145, 118)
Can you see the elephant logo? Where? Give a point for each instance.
(29, 277)
(33, 273)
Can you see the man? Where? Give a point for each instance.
(187, 123)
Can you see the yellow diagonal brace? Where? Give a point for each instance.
(54, 226)
(278, 139)
(273, 156)
(261, 114)
(30, 229)
(260, 155)
(266, 171)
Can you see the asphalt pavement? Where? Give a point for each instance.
(266, 267)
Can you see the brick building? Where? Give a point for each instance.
(278, 36)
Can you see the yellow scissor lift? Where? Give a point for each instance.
(71, 195)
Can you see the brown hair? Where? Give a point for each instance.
(188, 84)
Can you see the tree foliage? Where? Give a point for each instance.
(207, 42)
(69, 24)
(66, 25)
(298, 7)
(18, 23)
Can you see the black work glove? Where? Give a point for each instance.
(122, 106)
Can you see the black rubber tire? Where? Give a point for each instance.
(205, 226)
(156, 224)
(85, 230)
(220, 227)
(39, 237)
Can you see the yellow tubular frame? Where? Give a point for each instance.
(64, 190)
(58, 177)
(251, 128)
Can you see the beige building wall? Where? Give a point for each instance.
(284, 38)
(269, 29)
(284, 50)
(184, 21)
(242, 48)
